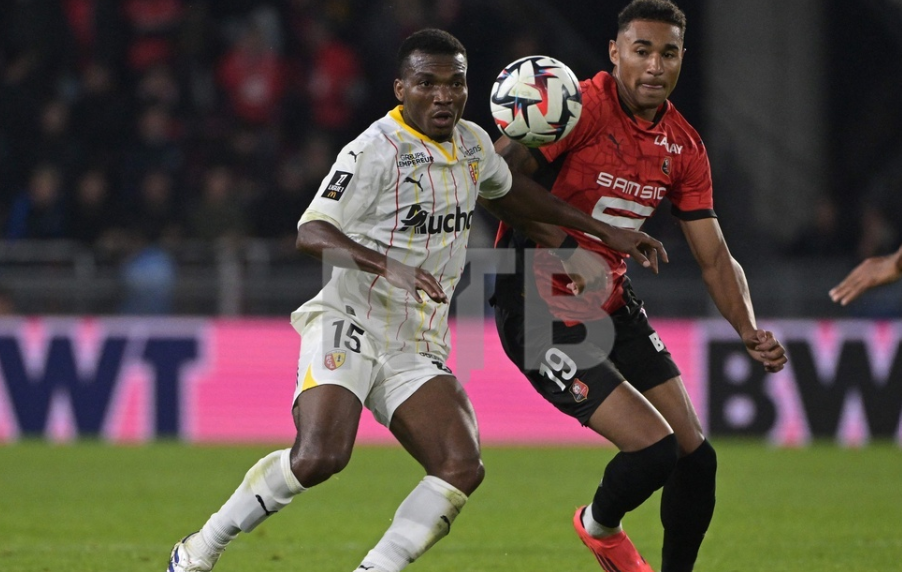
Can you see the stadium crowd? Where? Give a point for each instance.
(128, 123)
(158, 120)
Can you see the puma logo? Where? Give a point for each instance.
(355, 155)
(414, 181)
(265, 510)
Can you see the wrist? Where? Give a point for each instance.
(566, 249)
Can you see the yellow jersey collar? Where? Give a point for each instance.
(451, 157)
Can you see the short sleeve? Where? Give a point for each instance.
(352, 185)
(692, 196)
(495, 177)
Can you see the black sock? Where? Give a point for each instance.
(687, 504)
(630, 478)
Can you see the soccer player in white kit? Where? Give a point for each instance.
(393, 217)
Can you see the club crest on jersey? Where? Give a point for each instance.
(665, 166)
(334, 360)
(337, 185)
(579, 390)
(474, 171)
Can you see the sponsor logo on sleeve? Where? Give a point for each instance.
(337, 185)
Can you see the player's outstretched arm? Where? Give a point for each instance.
(728, 287)
(872, 272)
(324, 241)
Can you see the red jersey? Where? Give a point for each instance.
(618, 168)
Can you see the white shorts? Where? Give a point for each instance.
(336, 350)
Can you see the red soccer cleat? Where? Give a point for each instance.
(614, 553)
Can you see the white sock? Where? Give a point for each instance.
(595, 529)
(423, 519)
(267, 488)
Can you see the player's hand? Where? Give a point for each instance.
(765, 348)
(643, 248)
(874, 271)
(587, 271)
(413, 279)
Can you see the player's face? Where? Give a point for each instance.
(647, 57)
(433, 91)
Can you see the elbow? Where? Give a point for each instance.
(305, 241)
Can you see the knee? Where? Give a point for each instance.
(702, 462)
(465, 474)
(314, 466)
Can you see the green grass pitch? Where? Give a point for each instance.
(92, 507)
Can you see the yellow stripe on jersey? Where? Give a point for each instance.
(308, 379)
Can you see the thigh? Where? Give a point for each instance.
(671, 399)
(437, 426)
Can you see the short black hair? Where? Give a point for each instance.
(429, 41)
(654, 11)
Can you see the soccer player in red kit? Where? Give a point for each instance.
(570, 320)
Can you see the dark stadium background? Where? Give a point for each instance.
(797, 102)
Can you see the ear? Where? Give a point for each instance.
(399, 90)
(613, 52)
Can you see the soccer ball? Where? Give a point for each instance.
(536, 100)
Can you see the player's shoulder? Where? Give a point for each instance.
(471, 132)
(372, 146)
(676, 124)
(599, 97)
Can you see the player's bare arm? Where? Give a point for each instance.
(872, 272)
(316, 237)
(728, 287)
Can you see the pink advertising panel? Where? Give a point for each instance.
(231, 381)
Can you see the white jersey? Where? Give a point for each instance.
(398, 192)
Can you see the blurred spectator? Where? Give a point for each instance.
(217, 214)
(40, 28)
(156, 148)
(93, 214)
(53, 142)
(824, 236)
(153, 213)
(148, 275)
(38, 211)
(252, 74)
(276, 215)
(102, 112)
(7, 302)
(159, 86)
(881, 218)
(18, 110)
(335, 83)
(81, 19)
(153, 25)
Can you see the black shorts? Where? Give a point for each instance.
(578, 378)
